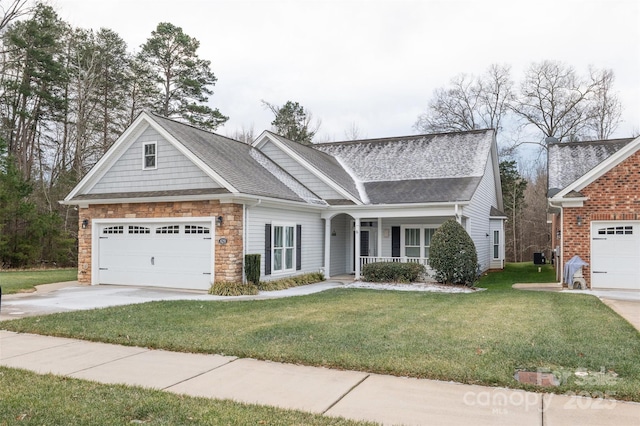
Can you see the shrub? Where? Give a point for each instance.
(252, 268)
(227, 288)
(392, 272)
(453, 255)
(289, 282)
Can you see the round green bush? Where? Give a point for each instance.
(453, 255)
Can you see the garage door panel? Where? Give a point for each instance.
(615, 255)
(175, 260)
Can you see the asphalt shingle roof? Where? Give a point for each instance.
(234, 161)
(324, 162)
(568, 161)
(443, 167)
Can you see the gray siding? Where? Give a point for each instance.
(312, 236)
(174, 171)
(339, 244)
(478, 211)
(303, 175)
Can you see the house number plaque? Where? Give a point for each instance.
(222, 240)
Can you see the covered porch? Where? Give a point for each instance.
(355, 237)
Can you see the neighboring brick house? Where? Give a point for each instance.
(594, 199)
(171, 205)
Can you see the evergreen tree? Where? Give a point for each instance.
(293, 122)
(184, 78)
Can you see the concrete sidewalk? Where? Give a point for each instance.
(350, 394)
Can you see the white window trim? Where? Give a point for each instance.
(494, 244)
(275, 271)
(422, 227)
(144, 146)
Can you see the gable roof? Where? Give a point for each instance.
(419, 168)
(331, 171)
(568, 161)
(237, 166)
(434, 168)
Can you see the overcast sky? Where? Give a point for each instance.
(375, 63)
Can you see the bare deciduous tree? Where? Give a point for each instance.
(243, 134)
(606, 108)
(469, 102)
(555, 100)
(12, 10)
(354, 133)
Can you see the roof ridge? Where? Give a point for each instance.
(599, 141)
(396, 138)
(194, 127)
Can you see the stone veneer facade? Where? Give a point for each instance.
(613, 196)
(228, 257)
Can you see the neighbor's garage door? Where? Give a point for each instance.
(615, 255)
(174, 255)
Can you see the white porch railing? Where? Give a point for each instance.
(364, 260)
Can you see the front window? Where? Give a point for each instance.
(149, 156)
(283, 247)
(416, 241)
(412, 242)
(428, 234)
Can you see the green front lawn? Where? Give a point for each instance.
(21, 281)
(33, 399)
(480, 338)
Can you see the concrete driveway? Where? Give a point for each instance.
(71, 296)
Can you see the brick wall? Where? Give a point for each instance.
(228, 257)
(614, 196)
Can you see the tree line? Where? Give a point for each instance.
(67, 94)
(552, 102)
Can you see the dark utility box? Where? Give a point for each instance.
(539, 259)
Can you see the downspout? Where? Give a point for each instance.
(559, 242)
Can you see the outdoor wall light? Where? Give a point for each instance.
(558, 234)
(579, 220)
(219, 221)
(85, 223)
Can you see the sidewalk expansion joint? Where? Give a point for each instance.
(200, 374)
(110, 361)
(346, 393)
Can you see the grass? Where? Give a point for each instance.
(32, 399)
(480, 338)
(25, 281)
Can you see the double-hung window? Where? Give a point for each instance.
(412, 242)
(496, 244)
(149, 156)
(417, 241)
(283, 247)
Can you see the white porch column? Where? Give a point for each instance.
(379, 237)
(327, 247)
(357, 248)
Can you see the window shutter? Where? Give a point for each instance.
(267, 249)
(395, 241)
(298, 247)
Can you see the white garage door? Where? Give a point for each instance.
(177, 255)
(615, 255)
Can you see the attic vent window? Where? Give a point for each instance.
(149, 156)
